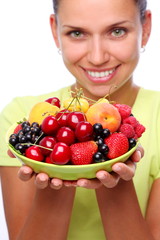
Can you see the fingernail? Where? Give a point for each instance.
(26, 171)
(101, 176)
(116, 168)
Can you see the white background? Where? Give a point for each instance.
(30, 64)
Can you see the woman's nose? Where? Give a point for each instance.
(97, 52)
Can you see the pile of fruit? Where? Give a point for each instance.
(76, 131)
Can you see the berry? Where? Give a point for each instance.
(131, 120)
(98, 157)
(132, 143)
(74, 118)
(127, 130)
(18, 128)
(84, 131)
(50, 125)
(124, 110)
(61, 154)
(66, 135)
(97, 128)
(99, 140)
(103, 148)
(106, 132)
(20, 147)
(82, 153)
(25, 123)
(13, 141)
(139, 130)
(47, 142)
(54, 101)
(118, 145)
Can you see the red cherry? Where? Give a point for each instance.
(62, 117)
(54, 101)
(50, 125)
(66, 135)
(84, 131)
(74, 118)
(34, 152)
(47, 142)
(61, 154)
(48, 160)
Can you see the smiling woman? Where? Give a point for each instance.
(16, 59)
(100, 55)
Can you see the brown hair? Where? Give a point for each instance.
(142, 5)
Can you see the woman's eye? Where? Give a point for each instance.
(118, 32)
(76, 34)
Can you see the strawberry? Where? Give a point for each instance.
(17, 128)
(82, 152)
(118, 145)
(124, 110)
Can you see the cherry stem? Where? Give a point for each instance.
(33, 144)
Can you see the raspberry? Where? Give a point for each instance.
(124, 110)
(139, 130)
(131, 120)
(127, 130)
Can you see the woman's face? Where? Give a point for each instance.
(100, 42)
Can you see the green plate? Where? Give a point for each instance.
(68, 172)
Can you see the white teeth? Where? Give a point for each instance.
(100, 74)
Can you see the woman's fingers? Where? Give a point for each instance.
(125, 171)
(89, 184)
(138, 154)
(25, 173)
(56, 183)
(41, 180)
(109, 180)
(10, 154)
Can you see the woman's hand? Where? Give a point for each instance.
(124, 171)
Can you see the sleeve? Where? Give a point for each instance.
(15, 111)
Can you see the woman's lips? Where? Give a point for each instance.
(100, 76)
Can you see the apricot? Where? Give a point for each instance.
(106, 114)
(40, 111)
